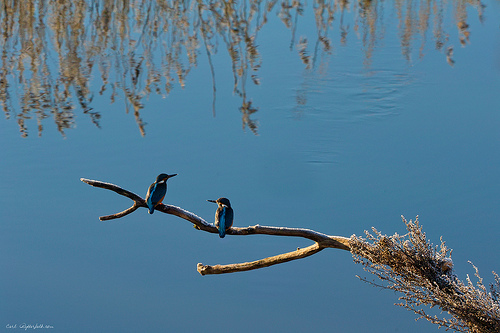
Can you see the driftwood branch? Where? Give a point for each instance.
(140, 202)
(246, 266)
(321, 240)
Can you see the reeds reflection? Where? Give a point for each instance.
(51, 49)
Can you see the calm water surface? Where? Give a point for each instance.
(355, 121)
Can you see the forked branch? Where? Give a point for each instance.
(321, 240)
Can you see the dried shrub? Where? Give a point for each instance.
(423, 274)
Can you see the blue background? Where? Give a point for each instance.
(372, 142)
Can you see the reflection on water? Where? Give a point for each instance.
(50, 50)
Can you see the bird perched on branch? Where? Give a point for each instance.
(156, 191)
(223, 216)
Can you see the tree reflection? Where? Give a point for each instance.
(50, 50)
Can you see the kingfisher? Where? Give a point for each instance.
(223, 216)
(157, 191)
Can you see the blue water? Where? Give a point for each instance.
(342, 146)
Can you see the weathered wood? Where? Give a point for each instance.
(266, 262)
(321, 240)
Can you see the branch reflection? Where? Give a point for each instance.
(52, 52)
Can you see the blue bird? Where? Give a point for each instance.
(156, 191)
(223, 216)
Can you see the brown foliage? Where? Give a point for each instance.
(423, 274)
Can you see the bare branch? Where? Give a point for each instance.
(120, 214)
(266, 262)
(321, 240)
(115, 188)
(140, 202)
(331, 241)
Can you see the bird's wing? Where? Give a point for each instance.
(158, 193)
(222, 222)
(148, 195)
(150, 189)
(229, 217)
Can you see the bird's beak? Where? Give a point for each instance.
(170, 176)
(212, 201)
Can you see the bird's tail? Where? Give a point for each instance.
(151, 210)
(222, 233)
